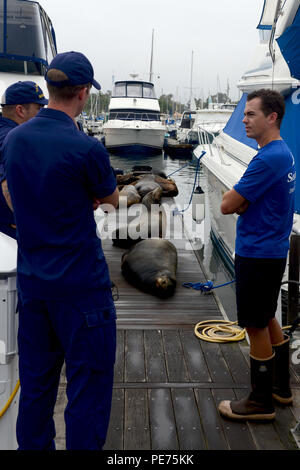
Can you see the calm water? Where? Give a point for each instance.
(214, 267)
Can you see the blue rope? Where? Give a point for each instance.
(205, 286)
(176, 211)
(179, 169)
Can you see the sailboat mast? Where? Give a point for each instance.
(151, 59)
(191, 84)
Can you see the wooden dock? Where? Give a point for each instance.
(168, 383)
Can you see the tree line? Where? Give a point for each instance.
(98, 103)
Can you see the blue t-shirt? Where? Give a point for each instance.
(6, 215)
(53, 173)
(269, 185)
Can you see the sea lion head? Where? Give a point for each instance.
(165, 284)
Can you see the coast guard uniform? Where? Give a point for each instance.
(19, 93)
(66, 309)
(7, 219)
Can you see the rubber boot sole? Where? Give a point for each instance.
(225, 410)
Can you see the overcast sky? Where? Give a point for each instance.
(116, 36)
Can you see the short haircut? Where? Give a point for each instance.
(64, 93)
(9, 110)
(271, 102)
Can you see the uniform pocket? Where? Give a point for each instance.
(101, 337)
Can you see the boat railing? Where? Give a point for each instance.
(207, 138)
(130, 116)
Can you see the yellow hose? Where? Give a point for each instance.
(2, 412)
(219, 331)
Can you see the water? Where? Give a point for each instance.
(214, 267)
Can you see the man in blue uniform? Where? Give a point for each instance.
(20, 102)
(264, 200)
(56, 176)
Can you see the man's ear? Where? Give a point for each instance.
(273, 117)
(82, 93)
(20, 111)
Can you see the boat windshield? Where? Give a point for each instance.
(133, 90)
(27, 40)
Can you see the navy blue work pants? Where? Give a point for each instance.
(83, 334)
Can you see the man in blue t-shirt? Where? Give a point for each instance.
(20, 102)
(264, 201)
(56, 177)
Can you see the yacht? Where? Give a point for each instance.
(134, 123)
(27, 43)
(275, 65)
(212, 119)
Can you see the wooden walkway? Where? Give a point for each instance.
(168, 383)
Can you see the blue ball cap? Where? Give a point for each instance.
(76, 67)
(23, 93)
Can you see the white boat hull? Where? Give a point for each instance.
(134, 134)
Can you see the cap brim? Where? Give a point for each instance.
(96, 84)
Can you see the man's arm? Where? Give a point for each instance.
(6, 194)
(233, 202)
(111, 200)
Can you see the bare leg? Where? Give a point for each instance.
(275, 331)
(260, 343)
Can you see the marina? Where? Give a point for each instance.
(168, 381)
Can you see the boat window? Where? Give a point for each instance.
(130, 115)
(120, 89)
(148, 91)
(48, 40)
(24, 36)
(264, 35)
(134, 90)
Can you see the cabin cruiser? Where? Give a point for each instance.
(275, 65)
(134, 123)
(27, 43)
(211, 120)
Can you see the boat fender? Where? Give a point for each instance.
(198, 205)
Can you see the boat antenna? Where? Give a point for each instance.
(151, 59)
(191, 84)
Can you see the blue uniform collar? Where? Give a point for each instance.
(55, 114)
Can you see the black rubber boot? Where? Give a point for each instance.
(259, 404)
(281, 384)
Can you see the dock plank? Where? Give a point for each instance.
(115, 434)
(211, 421)
(176, 366)
(137, 429)
(154, 356)
(189, 429)
(134, 356)
(194, 357)
(162, 420)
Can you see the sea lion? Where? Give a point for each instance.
(150, 182)
(125, 179)
(151, 223)
(153, 197)
(146, 184)
(151, 266)
(168, 186)
(129, 195)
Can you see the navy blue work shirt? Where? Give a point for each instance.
(53, 172)
(6, 215)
